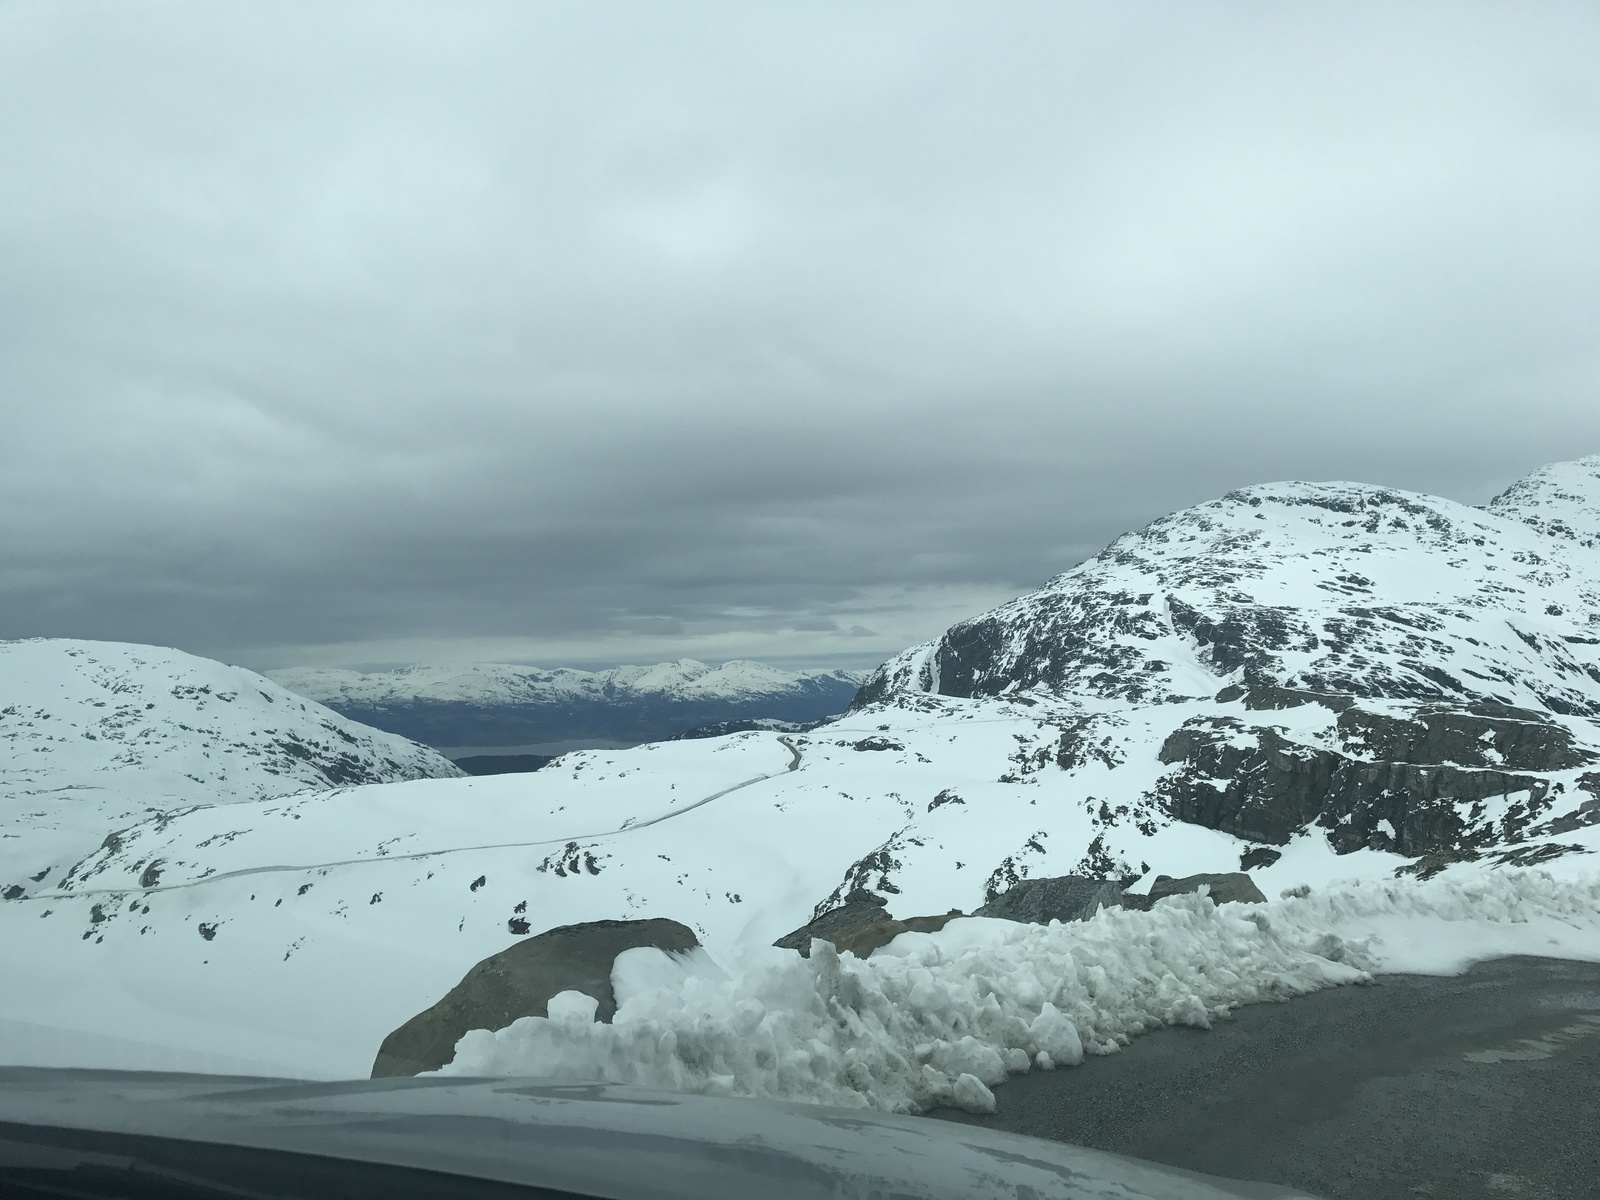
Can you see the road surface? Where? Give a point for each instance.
(1483, 1086)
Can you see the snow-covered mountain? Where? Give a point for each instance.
(1443, 659)
(497, 704)
(1338, 588)
(1310, 681)
(95, 736)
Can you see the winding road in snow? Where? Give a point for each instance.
(280, 869)
(1470, 1087)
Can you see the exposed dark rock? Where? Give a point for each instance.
(861, 924)
(1586, 814)
(1078, 745)
(1478, 735)
(1243, 637)
(519, 982)
(1061, 898)
(1258, 785)
(1258, 856)
(1266, 697)
(1232, 887)
(1064, 645)
(876, 743)
(1533, 854)
(869, 875)
(1430, 865)
(932, 924)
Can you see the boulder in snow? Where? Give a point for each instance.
(1061, 898)
(520, 982)
(860, 925)
(1233, 886)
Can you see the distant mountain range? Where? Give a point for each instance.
(486, 705)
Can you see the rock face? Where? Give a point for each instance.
(1229, 888)
(519, 982)
(860, 925)
(1063, 898)
(1421, 780)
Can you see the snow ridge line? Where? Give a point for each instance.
(794, 764)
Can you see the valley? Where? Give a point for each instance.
(1379, 705)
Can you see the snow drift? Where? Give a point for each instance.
(940, 1019)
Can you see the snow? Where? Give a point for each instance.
(1562, 500)
(248, 913)
(336, 915)
(95, 736)
(943, 1018)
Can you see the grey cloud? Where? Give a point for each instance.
(583, 333)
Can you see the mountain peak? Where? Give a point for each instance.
(1561, 500)
(1335, 587)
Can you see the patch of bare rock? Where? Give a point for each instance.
(519, 982)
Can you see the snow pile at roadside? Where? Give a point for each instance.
(939, 1019)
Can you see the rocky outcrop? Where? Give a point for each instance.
(1416, 783)
(519, 982)
(1482, 735)
(860, 925)
(1061, 898)
(1230, 888)
(1585, 815)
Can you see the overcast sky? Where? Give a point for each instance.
(348, 334)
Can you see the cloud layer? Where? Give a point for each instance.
(607, 332)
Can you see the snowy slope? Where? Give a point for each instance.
(495, 704)
(323, 921)
(95, 736)
(1561, 500)
(1338, 588)
(1161, 709)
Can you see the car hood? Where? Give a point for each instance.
(599, 1139)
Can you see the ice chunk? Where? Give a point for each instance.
(574, 1008)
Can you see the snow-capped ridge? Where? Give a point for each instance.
(502, 683)
(1338, 587)
(496, 704)
(1561, 500)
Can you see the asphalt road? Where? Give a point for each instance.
(1480, 1085)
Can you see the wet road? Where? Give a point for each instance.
(1483, 1085)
